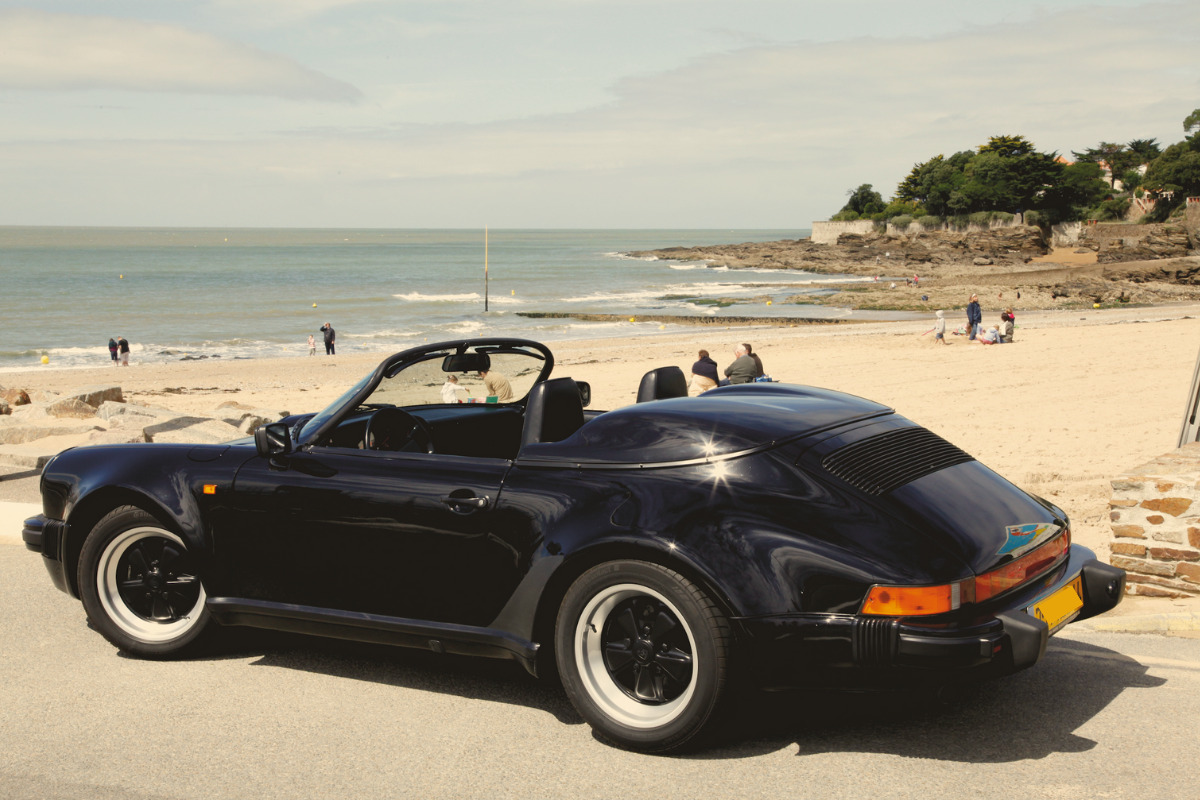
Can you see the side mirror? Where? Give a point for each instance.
(585, 393)
(273, 440)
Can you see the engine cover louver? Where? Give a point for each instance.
(880, 464)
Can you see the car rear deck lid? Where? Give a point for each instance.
(720, 422)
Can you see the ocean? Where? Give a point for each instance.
(176, 293)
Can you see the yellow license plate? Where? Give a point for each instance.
(1057, 609)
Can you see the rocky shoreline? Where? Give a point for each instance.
(1159, 265)
(31, 421)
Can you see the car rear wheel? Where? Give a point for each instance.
(140, 586)
(644, 655)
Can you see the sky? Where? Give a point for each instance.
(551, 113)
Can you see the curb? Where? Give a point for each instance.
(1144, 623)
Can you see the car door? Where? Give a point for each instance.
(410, 535)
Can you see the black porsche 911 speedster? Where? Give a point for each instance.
(458, 499)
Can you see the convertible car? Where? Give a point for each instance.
(652, 557)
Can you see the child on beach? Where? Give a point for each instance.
(312, 345)
(939, 328)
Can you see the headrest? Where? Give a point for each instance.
(553, 412)
(662, 384)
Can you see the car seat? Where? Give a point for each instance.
(553, 412)
(662, 384)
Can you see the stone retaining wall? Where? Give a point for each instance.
(828, 232)
(1155, 514)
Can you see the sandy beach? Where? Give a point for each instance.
(1080, 396)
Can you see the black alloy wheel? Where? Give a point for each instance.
(139, 585)
(644, 656)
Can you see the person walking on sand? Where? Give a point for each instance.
(112, 351)
(330, 339)
(123, 347)
(939, 328)
(974, 317)
(312, 345)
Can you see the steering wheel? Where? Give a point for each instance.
(396, 430)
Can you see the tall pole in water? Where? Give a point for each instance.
(485, 269)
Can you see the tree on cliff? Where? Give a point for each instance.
(1192, 122)
(1008, 146)
(1117, 157)
(1175, 175)
(864, 201)
(1007, 174)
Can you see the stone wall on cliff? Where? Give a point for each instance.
(1155, 515)
(1117, 242)
(828, 232)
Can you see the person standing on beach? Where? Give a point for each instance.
(312, 345)
(330, 339)
(123, 347)
(974, 317)
(112, 350)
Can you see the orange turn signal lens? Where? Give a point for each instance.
(912, 601)
(210, 488)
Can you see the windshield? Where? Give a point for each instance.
(509, 377)
(321, 418)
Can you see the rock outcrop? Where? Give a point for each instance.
(15, 397)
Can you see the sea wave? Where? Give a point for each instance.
(417, 297)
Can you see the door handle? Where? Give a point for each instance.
(466, 505)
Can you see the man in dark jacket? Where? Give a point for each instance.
(330, 339)
(974, 316)
(743, 368)
(757, 361)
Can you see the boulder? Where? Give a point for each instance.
(110, 410)
(15, 397)
(117, 435)
(71, 407)
(982, 261)
(20, 434)
(249, 420)
(95, 396)
(26, 413)
(5, 408)
(42, 396)
(198, 430)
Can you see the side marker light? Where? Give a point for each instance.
(210, 488)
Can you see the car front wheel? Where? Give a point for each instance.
(140, 586)
(644, 655)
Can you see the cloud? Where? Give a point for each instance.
(65, 52)
(767, 136)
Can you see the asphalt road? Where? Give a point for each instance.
(1108, 715)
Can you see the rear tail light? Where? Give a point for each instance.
(1028, 566)
(915, 601)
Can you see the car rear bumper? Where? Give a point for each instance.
(852, 650)
(44, 535)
